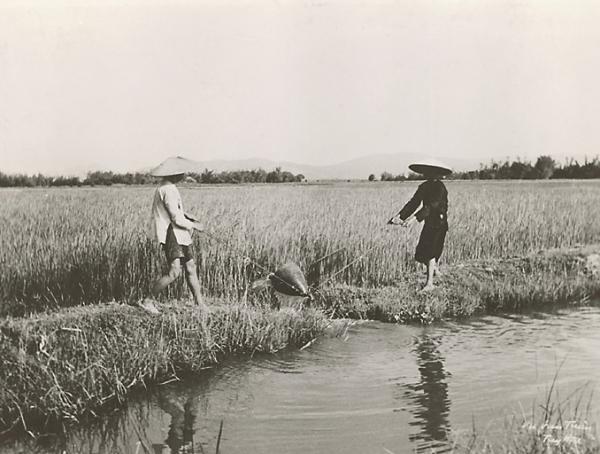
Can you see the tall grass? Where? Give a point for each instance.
(558, 424)
(63, 247)
(72, 363)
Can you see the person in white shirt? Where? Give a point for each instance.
(173, 230)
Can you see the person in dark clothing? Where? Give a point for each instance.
(432, 197)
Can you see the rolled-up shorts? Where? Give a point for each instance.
(174, 250)
(431, 242)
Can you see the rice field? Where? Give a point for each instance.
(73, 247)
(65, 247)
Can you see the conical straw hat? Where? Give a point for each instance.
(430, 166)
(174, 166)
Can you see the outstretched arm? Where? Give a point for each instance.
(412, 205)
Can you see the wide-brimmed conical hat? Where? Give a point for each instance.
(430, 166)
(174, 166)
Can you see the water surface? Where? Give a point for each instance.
(381, 388)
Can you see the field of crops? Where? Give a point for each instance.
(63, 247)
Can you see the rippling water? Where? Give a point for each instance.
(382, 388)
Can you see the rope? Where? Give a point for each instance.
(348, 265)
(328, 255)
(249, 260)
(292, 286)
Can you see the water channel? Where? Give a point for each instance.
(381, 388)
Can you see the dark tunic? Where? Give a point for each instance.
(434, 196)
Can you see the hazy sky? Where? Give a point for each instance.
(124, 84)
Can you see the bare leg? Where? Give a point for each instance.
(430, 271)
(159, 285)
(192, 280)
(436, 271)
(164, 281)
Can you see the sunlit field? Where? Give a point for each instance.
(64, 247)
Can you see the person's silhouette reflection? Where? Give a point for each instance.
(183, 409)
(430, 394)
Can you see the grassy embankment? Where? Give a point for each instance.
(77, 361)
(89, 246)
(532, 282)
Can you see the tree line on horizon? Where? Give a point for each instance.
(108, 178)
(545, 167)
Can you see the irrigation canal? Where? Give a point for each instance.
(382, 388)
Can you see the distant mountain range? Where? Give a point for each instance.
(359, 168)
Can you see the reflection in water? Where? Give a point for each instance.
(136, 428)
(335, 396)
(124, 432)
(430, 396)
(183, 409)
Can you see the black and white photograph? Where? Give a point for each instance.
(299, 226)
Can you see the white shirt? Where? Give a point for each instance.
(168, 209)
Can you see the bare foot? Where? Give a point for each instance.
(148, 305)
(428, 288)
